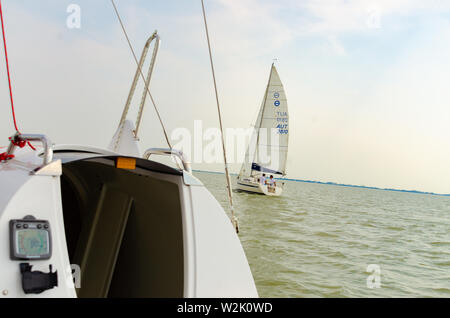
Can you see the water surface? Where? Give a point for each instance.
(317, 240)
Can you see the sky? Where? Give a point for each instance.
(366, 81)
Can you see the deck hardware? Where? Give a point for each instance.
(46, 143)
(169, 152)
(37, 282)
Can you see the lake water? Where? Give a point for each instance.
(317, 240)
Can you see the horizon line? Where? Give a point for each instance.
(342, 184)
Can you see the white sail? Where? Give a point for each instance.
(246, 168)
(267, 151)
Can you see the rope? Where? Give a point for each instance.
(140, 71)
(234, 220)
(4, 156)
(7, 68)
(10, 86)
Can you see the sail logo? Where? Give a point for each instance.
(277, 103)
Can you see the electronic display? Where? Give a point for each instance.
(30, 239)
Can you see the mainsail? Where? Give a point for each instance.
(268, 147)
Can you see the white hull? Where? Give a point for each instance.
(251, 185)
(113, 222)
(180, 242)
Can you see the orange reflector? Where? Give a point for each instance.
(126, 163)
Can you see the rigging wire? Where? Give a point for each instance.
(140, 71)
(230, 196)
(20, 144)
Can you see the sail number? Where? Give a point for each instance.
(282, 129)
(282, 123)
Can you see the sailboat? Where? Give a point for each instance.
(267, 151)
(81, 221)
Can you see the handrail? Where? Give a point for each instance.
(149, 77)
(46, 143)
(138, 73)
(169, 152)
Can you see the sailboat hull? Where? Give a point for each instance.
(147, 231)
(251, 185)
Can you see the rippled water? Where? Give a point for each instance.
(317, 240)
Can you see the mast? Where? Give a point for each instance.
(262, 115)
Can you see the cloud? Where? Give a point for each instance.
(252, 28)
(343, 16)
(336, 46)
(64, 80)
(248, 28)
(72, 85)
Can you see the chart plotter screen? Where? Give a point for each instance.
(32, 243)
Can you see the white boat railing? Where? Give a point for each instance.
(169, 152)
(46, 144)
(154, 37)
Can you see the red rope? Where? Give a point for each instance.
(4, 156)
(18, 143)
(7, 67)
(9, 81)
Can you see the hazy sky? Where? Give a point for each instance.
(367, 82)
